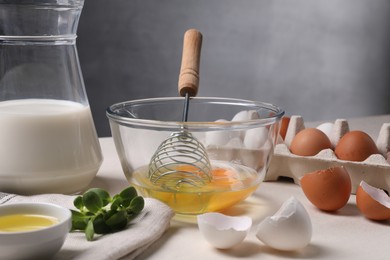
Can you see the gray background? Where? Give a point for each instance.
(321, 59)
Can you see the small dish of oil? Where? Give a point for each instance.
(33, 230)
(230, 184)
(25, 222)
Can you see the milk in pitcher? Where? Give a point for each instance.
(47, 145)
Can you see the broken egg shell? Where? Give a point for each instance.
(372, 202)
(290, 228)
(328, 189)
(223, 231)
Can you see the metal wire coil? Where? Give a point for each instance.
(180, 160)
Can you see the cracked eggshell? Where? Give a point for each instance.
(289, 229)
(372, 202)
(327, 189)
(223, 231)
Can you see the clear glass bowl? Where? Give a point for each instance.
(238, 136)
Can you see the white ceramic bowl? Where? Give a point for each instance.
(37, 244)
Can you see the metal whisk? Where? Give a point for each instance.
(182, 159)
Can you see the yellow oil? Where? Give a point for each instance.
(25, 222)
(231, 183)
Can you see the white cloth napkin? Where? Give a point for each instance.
(143, 231)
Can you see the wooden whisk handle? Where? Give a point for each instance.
(189, 70)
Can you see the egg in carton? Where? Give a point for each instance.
(251, 148)
(375, 170)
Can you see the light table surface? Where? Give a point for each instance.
(344, 234)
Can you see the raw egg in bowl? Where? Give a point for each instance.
(33, 230)
(236, 136)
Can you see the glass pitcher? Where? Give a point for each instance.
(48, 141)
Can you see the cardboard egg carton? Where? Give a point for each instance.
(375, 170)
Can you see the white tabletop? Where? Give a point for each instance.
(345, 234)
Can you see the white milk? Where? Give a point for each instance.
(47, 146)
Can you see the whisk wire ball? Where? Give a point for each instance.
(180, 159)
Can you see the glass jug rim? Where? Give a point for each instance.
(39, 21)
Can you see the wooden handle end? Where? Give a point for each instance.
(189, 71)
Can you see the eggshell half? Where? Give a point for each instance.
(372, 202)
(327, 189)
(223, 231)
(289, 229)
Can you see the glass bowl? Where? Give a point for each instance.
(238, 137)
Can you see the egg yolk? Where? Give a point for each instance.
(220, 177)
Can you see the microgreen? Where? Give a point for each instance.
(99, 213)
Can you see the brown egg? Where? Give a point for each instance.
(372, 202)
(284, 126)
(355, 146)
(328, 189)
(309, 142)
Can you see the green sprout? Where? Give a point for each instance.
(100, 214)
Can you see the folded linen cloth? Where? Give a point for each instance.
(144, 230)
